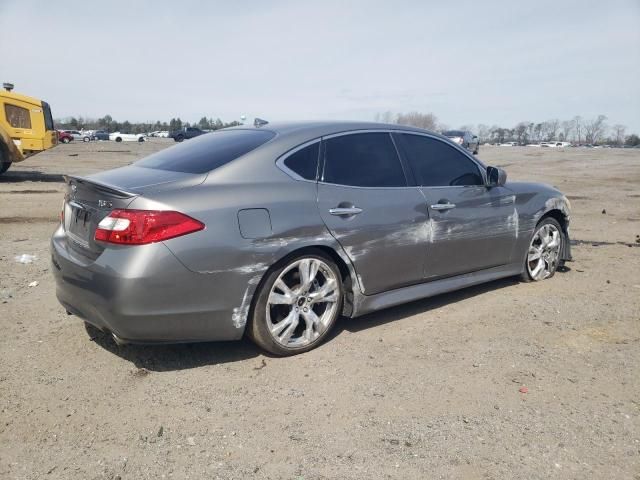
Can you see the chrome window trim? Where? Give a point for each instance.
(282, 158)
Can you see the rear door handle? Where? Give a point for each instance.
(443, 206)
(345, 211)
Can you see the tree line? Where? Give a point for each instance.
(578, 130)
(108, 124)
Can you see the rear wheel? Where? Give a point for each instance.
(297, 305)
(179, 138)
(86, 139)
(475, 152)
(141, 139)
(543, 256)
(118, 139)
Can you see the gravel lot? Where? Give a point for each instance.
(432, 389)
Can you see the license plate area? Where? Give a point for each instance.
(80, 224)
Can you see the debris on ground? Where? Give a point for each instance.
(34, 283)
(604, 212)
(25, 258)
(523, 390)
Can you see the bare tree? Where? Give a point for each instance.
(594, 128)
(484, 132)
(577, 126)
(550, 129)
(427, 121)
(566, 128)
(618, 133)
(385, 117)
(521, 134)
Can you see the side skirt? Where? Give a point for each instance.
(370, 303)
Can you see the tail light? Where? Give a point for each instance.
(139, 227)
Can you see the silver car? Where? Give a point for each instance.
(277, 230)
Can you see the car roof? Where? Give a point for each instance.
(299, 132)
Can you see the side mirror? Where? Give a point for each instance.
(496, 177)
(475, 137)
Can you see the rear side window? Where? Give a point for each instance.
(363, 160)
(437, 164)
(207, 152)
(304, 162)
(48, 119)
(17, 117)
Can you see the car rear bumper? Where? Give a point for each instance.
(143, 294)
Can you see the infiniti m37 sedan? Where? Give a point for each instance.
(277, 230)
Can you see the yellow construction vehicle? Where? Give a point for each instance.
(26, 127)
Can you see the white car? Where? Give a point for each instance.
(126, 137)
(75, 134)
(509, 144)
(163, 134)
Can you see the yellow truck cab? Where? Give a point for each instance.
(26, 127)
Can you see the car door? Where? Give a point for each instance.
(367, 205)
(473, 227)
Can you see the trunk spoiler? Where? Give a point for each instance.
(102, 186)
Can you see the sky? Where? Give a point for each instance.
(492, 62)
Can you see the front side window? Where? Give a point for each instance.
(437, 164)
(304, 162)
(17, 117)
(363, 160)
(207, 152)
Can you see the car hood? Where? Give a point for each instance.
(142, 180)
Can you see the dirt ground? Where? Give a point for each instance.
(431, 389)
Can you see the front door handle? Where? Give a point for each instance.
(345, 211)
(443, 206)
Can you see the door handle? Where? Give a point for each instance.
(345, 211)
(443, 206)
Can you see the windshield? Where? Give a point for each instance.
(453, 133)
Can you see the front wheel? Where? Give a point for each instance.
(65, 140)
(4, 166)
(297, 305)
(543, 256)
(141, 139)
(118, 139)
(179, 138)
(86, 139)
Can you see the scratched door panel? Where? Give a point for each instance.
(478, 233)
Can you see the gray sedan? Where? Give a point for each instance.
(277, 230)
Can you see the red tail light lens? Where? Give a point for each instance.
(139, 227)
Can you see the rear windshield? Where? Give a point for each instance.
(207, 152)
(454, 133)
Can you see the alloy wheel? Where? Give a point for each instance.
(544, 252)
(302, 303)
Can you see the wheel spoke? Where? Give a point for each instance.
(312, 322)
(324, 294)
(278, 299)
(535, 273)
(308, 270)
(280, 285)
(286, 335)
(534, 253)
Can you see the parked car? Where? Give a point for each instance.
(186, 133)
(77, 135)
(509, 144)
(252, 230)
(126, 137)
(464, 138)
(100, 135)
(64, 137)
(555, 144)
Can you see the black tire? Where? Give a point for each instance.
(86, 139)
(179, 138)
(141, 139)
(65, 140)
(118, 139)
(526, 276)
(257, 328)
(475, 152)
(4, 166)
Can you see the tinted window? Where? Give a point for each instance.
(207, 152)
(17, 117)
(363, 160)
(304, 162)
(437, 164)
(454, 133)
